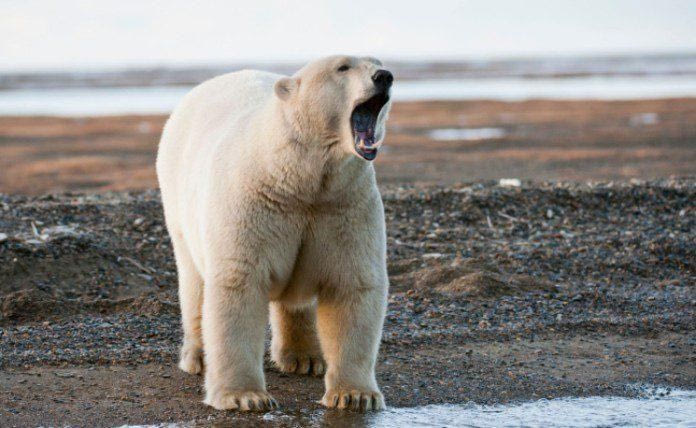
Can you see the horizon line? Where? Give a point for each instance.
(191, 64)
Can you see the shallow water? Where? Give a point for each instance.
(161, 99)
(655, 407)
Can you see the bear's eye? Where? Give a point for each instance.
(343, 68)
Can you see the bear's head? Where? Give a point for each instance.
(339, 100)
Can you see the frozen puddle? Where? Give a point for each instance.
(465, 134)
(655, 407)
(676, 409)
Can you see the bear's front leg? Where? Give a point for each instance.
(235, 314)
(350, 328)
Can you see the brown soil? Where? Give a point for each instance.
(555, 140)
(106, 395)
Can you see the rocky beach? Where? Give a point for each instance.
(499, 293)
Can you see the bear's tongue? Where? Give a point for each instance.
(364, 139)
(363, 130)
(363, 121)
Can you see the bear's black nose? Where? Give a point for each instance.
(383, 79)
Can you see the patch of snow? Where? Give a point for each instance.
(510, 182)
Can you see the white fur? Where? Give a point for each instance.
(267, 204)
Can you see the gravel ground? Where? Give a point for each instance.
(497, 294)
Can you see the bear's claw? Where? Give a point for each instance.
(354, 400)
(245, 401)
(301, 364)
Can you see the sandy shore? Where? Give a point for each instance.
(497, 295)
(554, 140)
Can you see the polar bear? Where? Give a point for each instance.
(272, 207)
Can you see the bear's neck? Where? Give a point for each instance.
(316, 175)
(301, 171)
(311, 172)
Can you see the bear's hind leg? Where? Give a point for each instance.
(190, 300)
(295, 345)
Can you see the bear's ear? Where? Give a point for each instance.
(285, 87)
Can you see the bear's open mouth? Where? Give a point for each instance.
(363, 121)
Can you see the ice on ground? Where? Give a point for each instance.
(644, 119)
(466, 134)
(662, 408)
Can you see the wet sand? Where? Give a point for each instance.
(542, 140)
(498, 294)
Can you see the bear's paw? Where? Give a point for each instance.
(354, 399)
(300, 363)
(258, 401)
(191, 359)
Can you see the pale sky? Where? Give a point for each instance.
(74, 34)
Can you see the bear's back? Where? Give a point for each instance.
(216, 101)
(201, 125)
(243, 88)
(215, 108)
